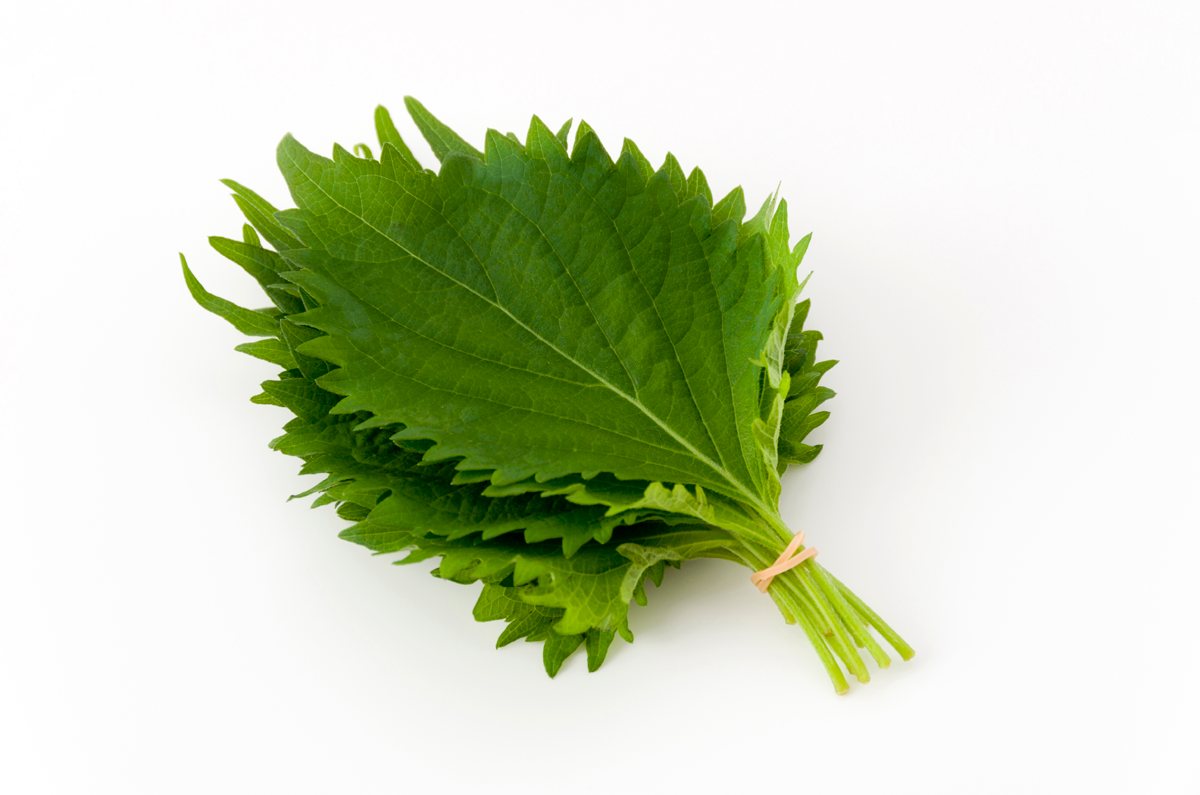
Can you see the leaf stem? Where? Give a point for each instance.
(841, 643)
(871, 617)
(849, 617)
(801, 582)
(833, 618)
(783, 600)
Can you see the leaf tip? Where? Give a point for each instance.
(192, 282)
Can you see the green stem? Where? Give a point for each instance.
(834, 672)
(871, 617)
(842, 645)
(760, 559)
(849, 616)
(833, 618)
(840, 685)
(800, 581)
(815, 610)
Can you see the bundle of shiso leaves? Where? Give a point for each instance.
(556, 372)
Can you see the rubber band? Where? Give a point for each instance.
(788, 559)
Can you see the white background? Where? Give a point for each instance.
(1006, 221)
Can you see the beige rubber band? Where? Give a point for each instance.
(762, 579)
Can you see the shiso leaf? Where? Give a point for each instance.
(247, 321)
(538, 382)
(556, 372)
(388, 134)
(442, 140)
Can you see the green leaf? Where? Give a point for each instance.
(432, 505)
(593, 589)
(442, 140)
(324, 499)
(306, 400)
(557, 373)
(797, 426)
(631, 149)
(264, 265)
(730, 208)
(247, 321)
(388, 134)
(295, 335)
(264, 399)
(350, 511)
(534, 623)
(557, 649)
(697, 185)
(675, 175)
(548, 381)
(790, 453)
(525, 620)
(581, 134)
(421, 498)
(597, 642)
(563, 132)
(270, 350)
(335, 445)
(261, 215)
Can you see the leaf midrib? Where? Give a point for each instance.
(385, 367)
(633, 270)
(662, 324)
